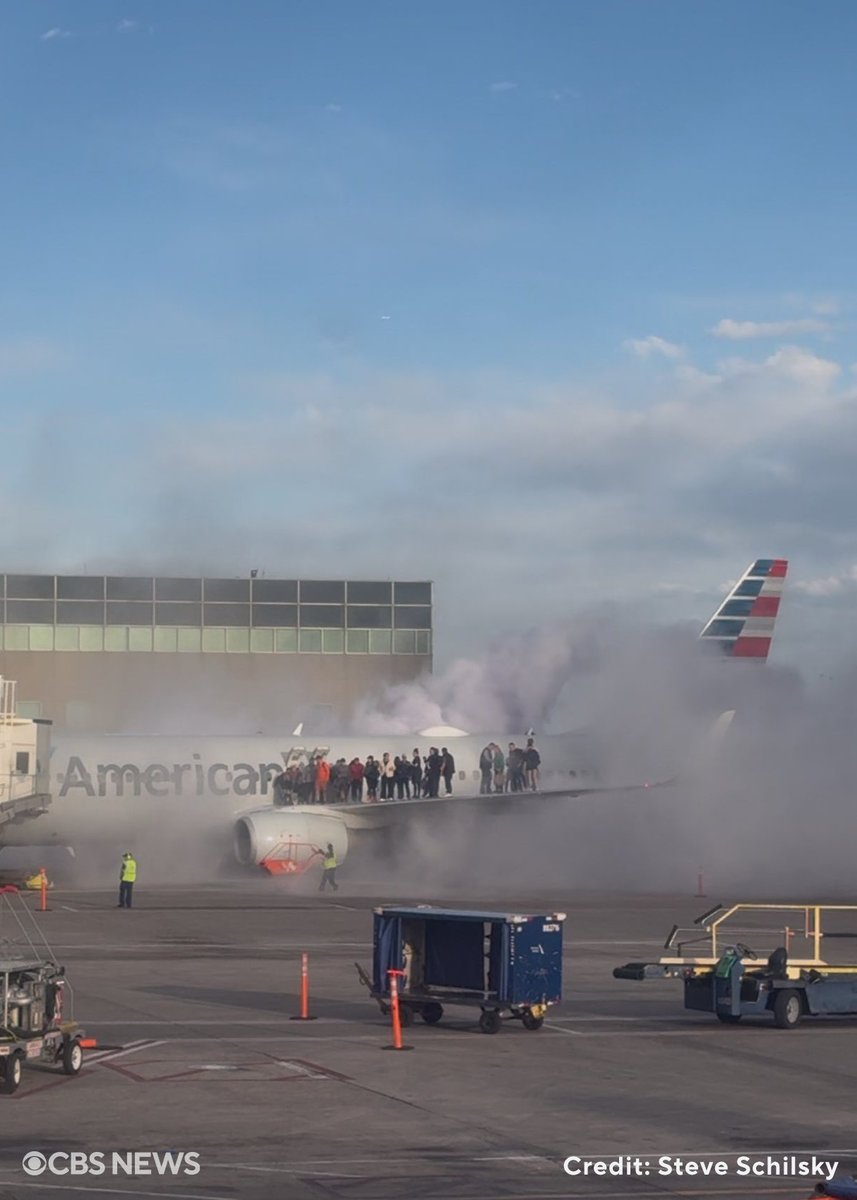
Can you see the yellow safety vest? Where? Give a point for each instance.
(329, 862)
(129, 870)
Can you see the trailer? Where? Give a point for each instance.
(733, 981)
(508, 965)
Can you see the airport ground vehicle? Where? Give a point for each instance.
(505, 964)
(841, 1187)
(731, 981)
(35, 1025)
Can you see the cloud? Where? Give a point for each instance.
(646, 347)
(828, 585)
(56, 32)
(504, 85)
(740, 331)
(126, 25)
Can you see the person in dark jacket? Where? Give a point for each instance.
(486, 767)
(401, 776)
(532, 762)
(416, 774)
(515, 768)
(371, 773)
(447, 769)
(355, 775)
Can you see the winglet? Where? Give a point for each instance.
(743, 626)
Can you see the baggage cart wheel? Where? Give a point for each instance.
(72, 1056)
(729, 1018)
(431, 1013)
(13, 1069)
(787, 1009)
(406, 1015)
(490, 1020)
(529, 1021)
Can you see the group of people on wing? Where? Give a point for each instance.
(390, 777)
(517, 771)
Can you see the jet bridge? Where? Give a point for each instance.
(24, 762)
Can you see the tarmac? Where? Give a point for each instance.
(190, 996)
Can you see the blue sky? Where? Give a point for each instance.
(448, 290)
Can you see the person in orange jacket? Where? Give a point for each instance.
(322, 779)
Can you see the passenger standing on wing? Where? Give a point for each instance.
(355, 774)
(499, 769)
(515, 767)
(388, 774)
(281, 789)
(329, 863)
(127, 879)
(322, 779)
(371, 773)
(447, 769)
(486, 766)
(416, 774)
(433, 765)
(533, 761)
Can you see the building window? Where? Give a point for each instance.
(310, 642)
(41, 637)
(412, 593)
(17, 637)
(226, 614)
(178, 589)
(370, 616)
(189, 641)
(91, 637)
(357, 641)
(362, 592)
(275, 615)
(423, 641)
(333, 641)
(380, 641)
(412, 617)
(227, 591)
(179, 614)
(80, 612)
(116, 637)
(128, 613)
(166, 639)
(275, 591)
(214, 640)
(31, 612)
(324, 616)
(262, 641)
(238, 641)
(80, 587)
(140, 639)
(322, 591)
(30, 587)
(286, 641)
(67, 637)
(405, 641)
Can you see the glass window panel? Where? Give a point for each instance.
(129, 587)
(116, 637)
(275, 591)
(140, 639)
(166, 639)
(357, 641)
(190, 640)
(37, 612)
(226, 614)
(333, 641)
(178, 589)
(80, 612)
(125, 613)
(379, 641)
(370, 616)
(30, 710)
(232, 591)
(423, 641)
(30, 587)
(362, 592)
(322, 591)
(275, 614)
(80, 587)
(262, 640)
(322, 615)
(286, 641)
(214, 641)
(413, 617)
(179, 614)
(412, 593)
(41, 637)
(91, 637)
(67, 637)
(405, 641)
(17, 637)
(310, 641)
(238, 641)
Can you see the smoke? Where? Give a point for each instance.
(768, 811)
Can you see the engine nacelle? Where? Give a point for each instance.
(287, 839)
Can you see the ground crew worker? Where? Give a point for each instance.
(127, 877)
(329, 864)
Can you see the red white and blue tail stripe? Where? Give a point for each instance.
(743, 626)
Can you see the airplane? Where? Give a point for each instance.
(111, 786)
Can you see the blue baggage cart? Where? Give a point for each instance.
(506, 964)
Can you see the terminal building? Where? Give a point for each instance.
(144, 654)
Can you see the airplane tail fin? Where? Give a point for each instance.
(743, 626)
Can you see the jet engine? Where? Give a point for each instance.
(287, 840)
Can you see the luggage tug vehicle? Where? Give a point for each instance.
(730, 980)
